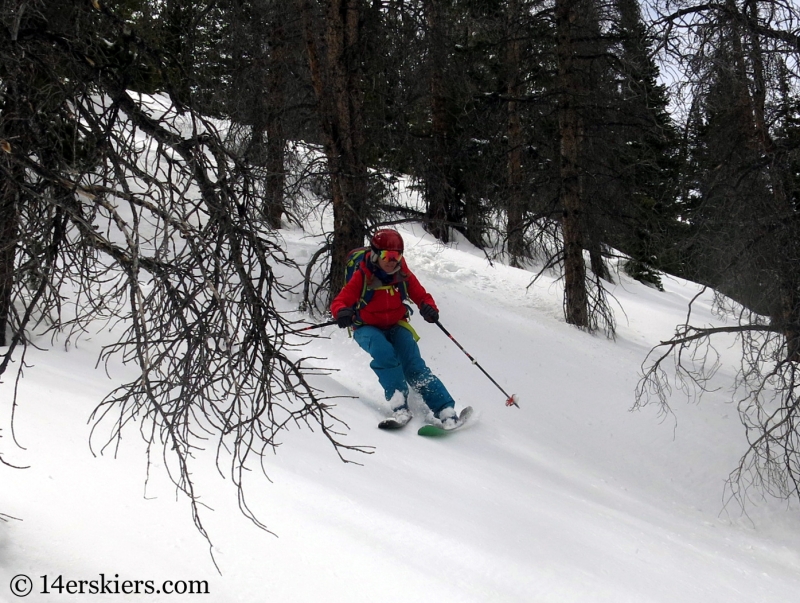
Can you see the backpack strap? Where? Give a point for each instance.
(368, 292)
(365, 291)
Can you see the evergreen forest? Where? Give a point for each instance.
(150, 150)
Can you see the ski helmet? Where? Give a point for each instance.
(389, 240)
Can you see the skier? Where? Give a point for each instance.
(372, 303)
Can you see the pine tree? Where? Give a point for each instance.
(647, 153)
(572, 95)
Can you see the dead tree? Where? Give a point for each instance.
(131, 206)
(744, 227)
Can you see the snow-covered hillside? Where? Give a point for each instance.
(570, 498)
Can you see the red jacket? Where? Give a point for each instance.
(386, 308)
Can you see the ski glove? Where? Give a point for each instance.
(344, 318)
(429, 313)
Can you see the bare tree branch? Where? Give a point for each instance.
(146, 222)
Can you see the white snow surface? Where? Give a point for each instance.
(570, 498)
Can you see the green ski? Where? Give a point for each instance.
(435, 430)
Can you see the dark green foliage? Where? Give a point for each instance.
(633, 154)
(468, 97)
(739, 231)
(438, 95)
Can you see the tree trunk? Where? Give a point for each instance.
(9, 218)
(474, 223)
(787, 313)
(276, 137)
(597, 262)
(10, 120)
(515, 227)
(336, 79)
(571, 132)
(439, 190)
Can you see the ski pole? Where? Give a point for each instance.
(510, 400)
(319, 326)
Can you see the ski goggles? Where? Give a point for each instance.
(389, 255)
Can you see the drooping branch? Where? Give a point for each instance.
(149, 224)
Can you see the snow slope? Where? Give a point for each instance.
(570, 498)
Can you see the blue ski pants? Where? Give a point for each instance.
(397, 363)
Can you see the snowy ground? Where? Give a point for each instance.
(570, 498)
